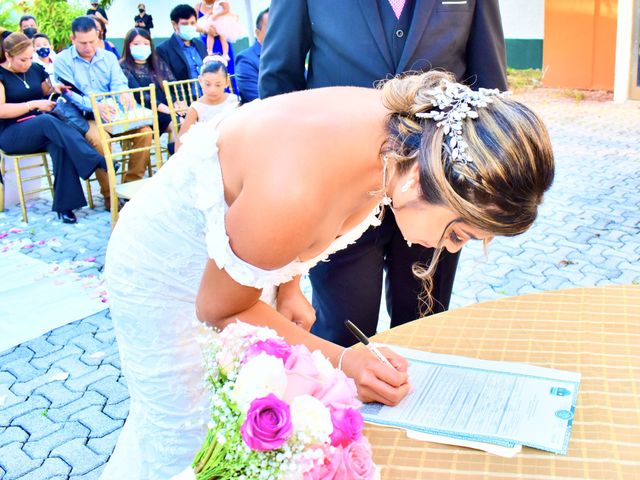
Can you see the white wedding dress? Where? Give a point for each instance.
(155, 260)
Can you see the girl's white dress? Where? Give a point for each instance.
(155, 260)
(209, 112)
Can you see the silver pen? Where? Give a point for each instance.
(362, 338)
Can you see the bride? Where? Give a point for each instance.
(256, 201)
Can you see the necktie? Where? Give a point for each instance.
(397, 6)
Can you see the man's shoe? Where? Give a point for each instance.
(68, 216)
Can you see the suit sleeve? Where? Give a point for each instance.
(288, 39)
(486, 57)
(246, 76)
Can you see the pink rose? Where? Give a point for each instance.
(268, 424)
(347, 426)
(339, 391)
(276, 347)
(332, 467)
(357, 461)
(303, 377)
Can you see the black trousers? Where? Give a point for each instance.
(349, 285)
(72, 156)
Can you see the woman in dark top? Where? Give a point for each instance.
(27, 127)
(143, 20)
(143, 66)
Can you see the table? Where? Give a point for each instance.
(595, 331)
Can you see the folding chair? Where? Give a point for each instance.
(118, 131)
(43, 163)
(187, 91)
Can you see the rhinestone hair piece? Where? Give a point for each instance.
(454, 103)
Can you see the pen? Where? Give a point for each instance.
(362, 338)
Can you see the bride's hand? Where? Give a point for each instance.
(294, 305)
(376, 381)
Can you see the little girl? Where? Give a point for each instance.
(214, 100)
(217, 14)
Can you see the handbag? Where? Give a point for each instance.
(70, 114)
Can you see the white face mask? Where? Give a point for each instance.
(188, 32)
(140, 52)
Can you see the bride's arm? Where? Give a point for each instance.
(221, 300)
(274, 219)
(294, 305)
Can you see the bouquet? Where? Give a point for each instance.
(278, 412)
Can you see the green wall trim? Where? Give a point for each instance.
(524, 53)
(238, 46)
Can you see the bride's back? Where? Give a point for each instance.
(323, 136)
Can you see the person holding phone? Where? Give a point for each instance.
(27, 127)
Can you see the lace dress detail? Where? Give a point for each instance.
(154, 265)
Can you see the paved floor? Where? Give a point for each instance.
(63, 399)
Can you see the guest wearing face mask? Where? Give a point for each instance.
(28, 25)
(142, 66)
(44, 54)
(184, 50)
(143, 20)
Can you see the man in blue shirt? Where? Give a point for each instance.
(184, 50)
(94, 70)
(248, 62)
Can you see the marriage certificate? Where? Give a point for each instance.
(501, 403)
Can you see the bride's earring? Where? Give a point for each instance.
(407, 185)
(409, 244)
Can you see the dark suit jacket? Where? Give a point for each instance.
(171, 52)
(346, 44)
(247, 68)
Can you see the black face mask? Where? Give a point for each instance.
(30, 31)
(141, 10)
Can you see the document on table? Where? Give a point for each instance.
(502, 403)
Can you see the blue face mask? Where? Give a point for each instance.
(43, 52)
(140, 52)
(188, 32)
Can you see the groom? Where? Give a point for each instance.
(357, 43)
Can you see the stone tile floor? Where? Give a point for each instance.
(63, 399)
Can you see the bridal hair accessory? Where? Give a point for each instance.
(454, 103)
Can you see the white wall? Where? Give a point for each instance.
(522, 18)
(121, 14)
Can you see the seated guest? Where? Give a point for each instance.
(143, 20)
(28, 25)
(214, 101)
(184, 50)
(44, 54)
(94, 70)
(248, 62)
(142, 66)
(27, 127)
(101, 26)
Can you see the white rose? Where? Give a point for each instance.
(323, 365)
(310, 418)
(260, 376)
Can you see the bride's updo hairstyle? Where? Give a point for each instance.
(510, 158)
(507, 166)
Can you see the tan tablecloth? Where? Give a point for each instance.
(594, 331)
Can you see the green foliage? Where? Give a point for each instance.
(10, 13)
(54, 18)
